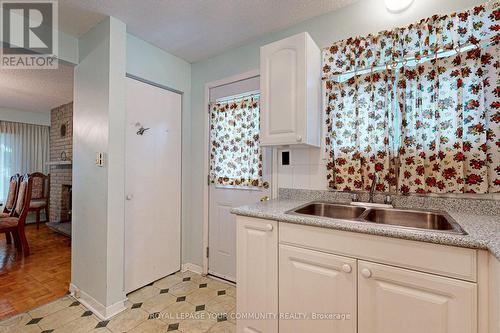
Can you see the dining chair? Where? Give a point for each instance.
(8, 207)
(40, 196)
(14, 224)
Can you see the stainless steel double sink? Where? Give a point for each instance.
(396, 217)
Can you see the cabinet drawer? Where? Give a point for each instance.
(443, 260)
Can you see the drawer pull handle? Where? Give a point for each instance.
(267, 227)
(366, 273)
(347, 268)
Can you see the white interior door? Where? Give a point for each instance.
(153, 184)
(222, 224)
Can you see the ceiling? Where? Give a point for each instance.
(193, 29)
(36, 90)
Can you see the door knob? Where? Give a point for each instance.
(129, 197)
(264, 198)
(347, 268)
(366, 273)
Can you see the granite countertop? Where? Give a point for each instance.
(483, 231)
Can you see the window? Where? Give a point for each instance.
(428, 123)
(235, 154)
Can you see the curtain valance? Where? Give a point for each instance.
(416, 41)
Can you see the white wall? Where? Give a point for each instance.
(27, 117)
(307, 169)
(361, 18)
(152, 64)
(98, 192)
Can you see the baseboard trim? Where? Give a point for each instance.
(101, 311)
(192, 268)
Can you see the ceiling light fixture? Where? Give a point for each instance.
(397, 6)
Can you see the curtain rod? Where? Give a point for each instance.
(394, 64)
(237, 97)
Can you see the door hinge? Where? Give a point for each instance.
(208, 180)
(207, 251)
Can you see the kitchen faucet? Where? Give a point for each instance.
(372, 189)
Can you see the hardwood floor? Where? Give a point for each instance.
(42, 277)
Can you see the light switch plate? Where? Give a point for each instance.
(285, 157)
(99, 161)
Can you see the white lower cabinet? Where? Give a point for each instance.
(395, 300)
(310, 289)
(257, 275)
(319, 286)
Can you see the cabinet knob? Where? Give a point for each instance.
(347, 268)
(299, 138)
(366, 273)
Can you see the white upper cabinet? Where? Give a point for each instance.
(290, 82)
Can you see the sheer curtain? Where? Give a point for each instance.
(24, 148)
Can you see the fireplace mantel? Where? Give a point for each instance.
(59, 163)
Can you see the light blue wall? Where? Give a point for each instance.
(68, 48)
(155, 65)
(99, 126)
(106, 54)
(27, 117)
(361, 18)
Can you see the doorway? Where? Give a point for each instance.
(152, 184)
(227, 188)
(36, 135)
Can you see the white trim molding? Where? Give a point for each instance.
(101, 311)
(192, 268)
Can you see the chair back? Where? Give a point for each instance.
(23, 199)
(40, 186)
(10, 203)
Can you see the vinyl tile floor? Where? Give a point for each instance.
(182, 302)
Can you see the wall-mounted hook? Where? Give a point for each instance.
(141, 130)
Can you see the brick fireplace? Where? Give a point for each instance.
(61, 154)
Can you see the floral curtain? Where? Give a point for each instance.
(422, 39)
(360, 132)
(451, 124)
(235, 154)
(426, 116)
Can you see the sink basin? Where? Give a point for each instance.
(413, 219)
(398, 218)
(335, 211)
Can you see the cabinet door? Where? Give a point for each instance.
(395, 300)
(257, 274)
(283, 90)
(319, 285)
